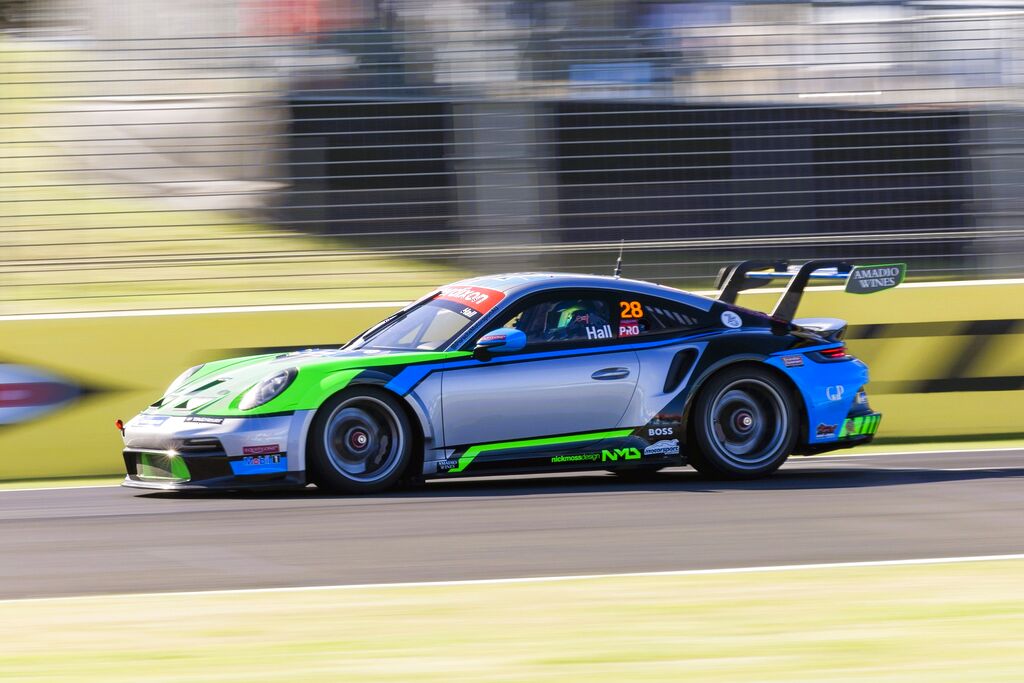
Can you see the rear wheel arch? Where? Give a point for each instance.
(784, 387)
(753, 361)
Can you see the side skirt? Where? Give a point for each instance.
(617, 449)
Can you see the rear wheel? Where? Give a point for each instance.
(360, 442)
(744, 423)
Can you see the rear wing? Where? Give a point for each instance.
(753, 274)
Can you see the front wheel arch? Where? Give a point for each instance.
(414, 462)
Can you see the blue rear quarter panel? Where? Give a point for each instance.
(828, 390)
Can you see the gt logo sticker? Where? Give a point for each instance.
(730, 319)
(480, 299)
(834, 393)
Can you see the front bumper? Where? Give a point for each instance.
(171, 452)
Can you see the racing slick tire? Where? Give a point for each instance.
(360, 441)
(744, 423)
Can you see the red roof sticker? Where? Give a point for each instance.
(480, 299)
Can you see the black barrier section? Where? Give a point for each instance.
(637, 171)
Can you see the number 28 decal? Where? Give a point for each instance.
(631, 309)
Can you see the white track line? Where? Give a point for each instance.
(544, 579)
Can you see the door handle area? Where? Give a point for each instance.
(611, 373)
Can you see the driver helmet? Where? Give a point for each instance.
(574, 314)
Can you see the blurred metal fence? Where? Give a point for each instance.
(368, 163)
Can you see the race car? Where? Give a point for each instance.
(525, 372)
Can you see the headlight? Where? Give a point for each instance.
(267, 389)
(182, 378)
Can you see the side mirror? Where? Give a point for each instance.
(501, 340)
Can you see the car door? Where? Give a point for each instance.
(572, 377)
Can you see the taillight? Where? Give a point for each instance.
(830, 355)
(834, 354)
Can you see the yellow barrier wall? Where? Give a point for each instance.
(130, 360)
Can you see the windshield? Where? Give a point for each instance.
(432, 325)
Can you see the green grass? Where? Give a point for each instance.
(108, 252)
(939, 623)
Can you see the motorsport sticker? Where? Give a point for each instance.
(663, 447)
(825, 430)
(730, 319)
(205, 420)
(793, 361)
(869, 279)
(480, 299)
(261, 450)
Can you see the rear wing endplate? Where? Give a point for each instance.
(753, 274)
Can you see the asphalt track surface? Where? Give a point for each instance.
(838, 509)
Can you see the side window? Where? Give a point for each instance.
(565, 317)
(641, 316)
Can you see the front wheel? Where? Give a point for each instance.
(745, 424)
(360, 442)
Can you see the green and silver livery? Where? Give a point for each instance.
(524, 372)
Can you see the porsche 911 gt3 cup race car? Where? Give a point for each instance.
(526, 372)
